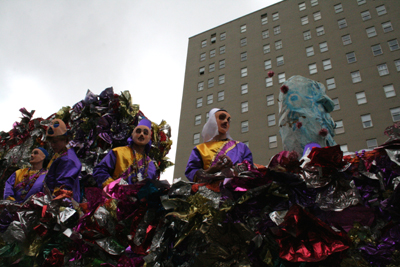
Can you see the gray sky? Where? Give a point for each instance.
(51, 52)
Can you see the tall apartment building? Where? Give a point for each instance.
(351, 46)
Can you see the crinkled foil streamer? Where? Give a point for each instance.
(338, 195)
(110, 246)
(214, 197)
(65, 214)
(394, 155)
(278, 216)
(15, 233)
(104, 219)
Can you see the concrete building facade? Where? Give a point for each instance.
(351, 46)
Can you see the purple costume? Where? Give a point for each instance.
(16, 191)
(120, 162)
(204, 155)
(65, 170)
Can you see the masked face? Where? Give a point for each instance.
(37, 156)
(223, 121)
(141, 135)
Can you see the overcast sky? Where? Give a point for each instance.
(52, 52)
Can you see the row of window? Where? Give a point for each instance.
(210, 99)
(339, 8)
(222, 37)
(302, 6)
(210, 83)
(212, 52)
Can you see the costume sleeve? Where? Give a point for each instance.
(194, 164)
(9, 187)
(65, 172)
(152, 171)
(247, 154)
(105, 169)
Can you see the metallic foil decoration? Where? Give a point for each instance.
(394, 155)
(211, 195)
(65, 214)
(15, 233)
(339, 195)
(278, 217)
(110, 246)
(104, 219)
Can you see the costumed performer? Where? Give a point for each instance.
(131, 162)
(218, 151)
(64, 167)
(26, 182)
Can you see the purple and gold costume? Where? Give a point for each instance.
(65, 170)
(204, 155)
(19, 190)
(119, 163)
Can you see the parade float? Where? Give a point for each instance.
(310, 206)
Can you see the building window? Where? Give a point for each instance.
(210, 82)
(361, 98)
(265, 34)
(222, 64)
(304, 20)
(243, 56)
(309, 51)
(397, 64)
(395, 114)
(222, 49)
(221, 79)
(273, 142)
(199, 102)
(280, 61)
(346, 39)
(323, 47)
(312, 68)
(203, 43)
(243, 72)
(202, 56)
(244, 88)
(342, 23)
(277, 30)
(356, 76)
(314, 2)
(222, 36)
(330, 83)
(221, 96)
(302, 6)
(339, 129)
(372, 143)
(376, 50)
(244, 106)
(387, 27)
(201, 70)
(271, 120)
(366, 120)
(243, 28)
(210, 99)
(383, 69)
(211, 67)
(267, 64)
(317, 16)
(307, 35)
(365, 15)
(336, 102)
(197, 120)
(338, 8)
(371, 32)
(266, 49)
(381, 10)
(196, 138)
(270, 100)
(200, 86)
(213, 38)
(244, 126)
(361, 2)
(278, 45)
(351, 57)
(275, 16)
(389, 90)
(327, 64)
(243, 41)
(268, 82)
(212, 53)
(320, 30)
(344, 148)
(281, 77)
(393, 45)
(207, 115)
(264, 19)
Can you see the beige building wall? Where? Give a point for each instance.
(287, 16)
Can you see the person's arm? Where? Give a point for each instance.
(103, 171)
(65, 173)
(9, 188)
(247, 154)
(194, 164)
